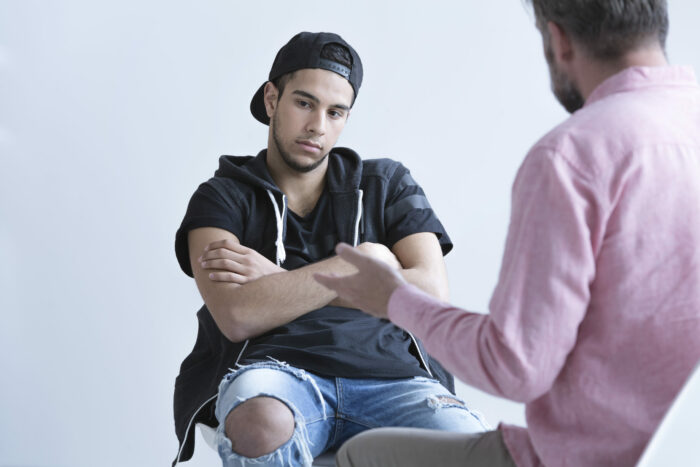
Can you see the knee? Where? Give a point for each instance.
(259, 426)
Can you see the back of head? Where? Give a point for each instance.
(607, 28)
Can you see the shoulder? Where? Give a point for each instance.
(572, 143)
(224, 188)
(384, 168)
(349, 165)
(601, 136)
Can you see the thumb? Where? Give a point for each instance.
(329, 281)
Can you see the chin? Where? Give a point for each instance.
(297, 164)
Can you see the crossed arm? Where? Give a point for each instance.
(248, 295)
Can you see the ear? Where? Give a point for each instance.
(560, 42)
(270, 98)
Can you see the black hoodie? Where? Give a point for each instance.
(373, 200)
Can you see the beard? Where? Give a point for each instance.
(287, 157)
(564, 89)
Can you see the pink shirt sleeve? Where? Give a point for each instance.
(542, 293)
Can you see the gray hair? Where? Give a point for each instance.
(607, 28)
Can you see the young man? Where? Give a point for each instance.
(281, 367)
(595, 320)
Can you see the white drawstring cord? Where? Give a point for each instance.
(357, 220)
(279, 215)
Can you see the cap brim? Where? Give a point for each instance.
(257, 106)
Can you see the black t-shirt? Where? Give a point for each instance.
(310, 238)
(332, 341)
(243, 199)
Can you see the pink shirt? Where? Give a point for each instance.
(595, 320)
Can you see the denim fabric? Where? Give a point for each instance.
(328, 410)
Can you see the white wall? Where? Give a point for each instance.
(111, 113)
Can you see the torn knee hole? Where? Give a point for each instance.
(439, 402)
(449, 400)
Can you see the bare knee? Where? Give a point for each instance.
(258, 426)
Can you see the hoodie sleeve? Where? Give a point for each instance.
(408, 211)
(212, 205)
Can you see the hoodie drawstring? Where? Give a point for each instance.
(279, 214)
(357, 221)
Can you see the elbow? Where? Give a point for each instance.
(527, 390)
(515, 376)
(235, 334)
(519, 368)
(440, 291)
(437, 288)
(232, 328)
(525, 384)
(237, 331)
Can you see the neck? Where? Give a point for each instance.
(302, 189)
(592, 72)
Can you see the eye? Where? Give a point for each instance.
(303, 104)
(335, 114)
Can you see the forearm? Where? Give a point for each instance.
(432, 283)
(509, 353)
(244, 311)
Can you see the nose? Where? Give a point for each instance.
(316, 123)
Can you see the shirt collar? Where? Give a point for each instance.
(640, 77)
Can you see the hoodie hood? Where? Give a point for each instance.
(342, 182)
(343, 176)
(247, 169)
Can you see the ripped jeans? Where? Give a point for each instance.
(329, 410)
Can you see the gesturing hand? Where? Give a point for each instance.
(370, 288)
(230, 261)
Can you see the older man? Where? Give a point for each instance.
(595, 319)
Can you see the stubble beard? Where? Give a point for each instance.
(563, 88)
(287, 157)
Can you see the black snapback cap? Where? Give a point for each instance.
(304, 51)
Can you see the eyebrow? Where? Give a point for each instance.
(317, 100)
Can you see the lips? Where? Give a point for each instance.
(308, 145)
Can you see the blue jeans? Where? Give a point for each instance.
(328, 410)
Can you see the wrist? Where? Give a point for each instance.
(394, 296)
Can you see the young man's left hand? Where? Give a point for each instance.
(232, 262)
(370, 288)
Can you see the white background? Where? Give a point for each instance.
(111, 114)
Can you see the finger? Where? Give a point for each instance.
(217, 244)
(228, 277)
(221, 253)
(226, 265)
(227, 244)
(330, 281)
(345, 287)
